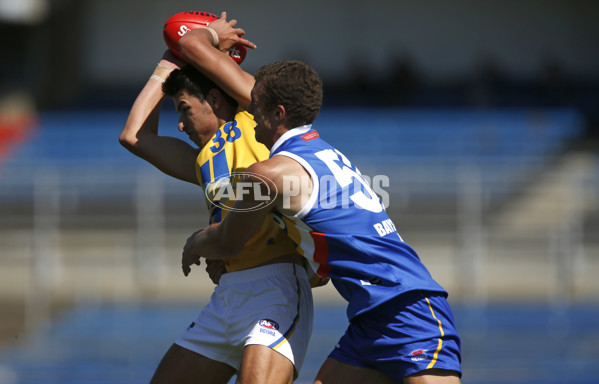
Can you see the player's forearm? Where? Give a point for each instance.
(211, 243)
(216, 246)
(144, 115)
(203, 243)
(196, 46)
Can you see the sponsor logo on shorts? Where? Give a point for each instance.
(268, 332)
(269, 324)
(419, 355)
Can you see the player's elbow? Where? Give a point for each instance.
(128, 140)
(187, 45)
(193, 47)
(184, 43)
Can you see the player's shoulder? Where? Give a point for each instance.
(243, 117)
(276, 168)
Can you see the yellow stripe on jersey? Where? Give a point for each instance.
(296, 235)
(231, 150)
(436, 354)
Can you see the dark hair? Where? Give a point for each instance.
(194, 82)
(293, 85)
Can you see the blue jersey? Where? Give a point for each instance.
(346, 232)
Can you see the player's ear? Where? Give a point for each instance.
(214, 98)
(280, 112)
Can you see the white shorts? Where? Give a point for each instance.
(269, 305)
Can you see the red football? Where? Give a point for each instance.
(181, 23)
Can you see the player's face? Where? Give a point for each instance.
(261, 116)
(196, 118)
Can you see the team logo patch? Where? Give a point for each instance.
(419, 355)
(310, 135)
(269, 324)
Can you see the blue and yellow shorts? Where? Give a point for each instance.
(406, 335)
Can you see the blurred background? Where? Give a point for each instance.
(483, 115)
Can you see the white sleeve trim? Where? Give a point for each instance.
(289, 134)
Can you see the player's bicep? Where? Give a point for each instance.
(288, 182)
(170, 155)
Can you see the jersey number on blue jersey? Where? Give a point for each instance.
(342, 170)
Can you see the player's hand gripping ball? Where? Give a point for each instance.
(181, 23)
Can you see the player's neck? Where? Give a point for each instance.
(281, 130)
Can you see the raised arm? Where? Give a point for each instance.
(214, 62)
(140, 136)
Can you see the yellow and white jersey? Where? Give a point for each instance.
(231, 151)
